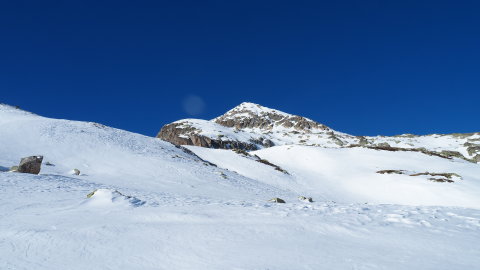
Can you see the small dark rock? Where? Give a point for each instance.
(276, 200)
(391, 172)
(305, 199)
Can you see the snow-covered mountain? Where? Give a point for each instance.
(251, 127)
(144, 203)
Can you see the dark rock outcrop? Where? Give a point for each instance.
(472, 149)
(178, 134)
(30, 164)
(391, 172)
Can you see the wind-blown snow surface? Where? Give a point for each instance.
(158, 207)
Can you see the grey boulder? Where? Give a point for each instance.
(30, 164)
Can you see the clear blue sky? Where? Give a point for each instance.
(361, 67)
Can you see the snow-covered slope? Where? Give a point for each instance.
(157, 206)
(111, 156)
(351, 175)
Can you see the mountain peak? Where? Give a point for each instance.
(247, 126)
(252, 109)
(251, 116)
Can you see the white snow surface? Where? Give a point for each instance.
(349, 175)
(159, 207)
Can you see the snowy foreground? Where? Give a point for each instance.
(160, 207)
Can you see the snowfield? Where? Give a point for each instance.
(350, 175)
(156, 206)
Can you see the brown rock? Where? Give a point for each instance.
(180, 134)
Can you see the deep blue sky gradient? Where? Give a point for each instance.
(361, 67)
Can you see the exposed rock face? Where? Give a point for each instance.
(362, 140)
(473, 149)
(181, 134)
(30, 164)
(254, 116)
(451, 154)
(383, 145)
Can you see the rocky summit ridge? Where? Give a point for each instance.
(250, 126)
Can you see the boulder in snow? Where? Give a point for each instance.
(30, 164)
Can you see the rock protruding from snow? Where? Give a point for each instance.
(253, 116)
(184, 133)
(277, 200)
(305, 199)
(30, 164)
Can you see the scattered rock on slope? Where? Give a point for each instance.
(436, 177)
(391, 172)
(276, 200)
(30, 164)
(305, 199)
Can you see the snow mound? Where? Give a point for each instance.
(107, 197)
